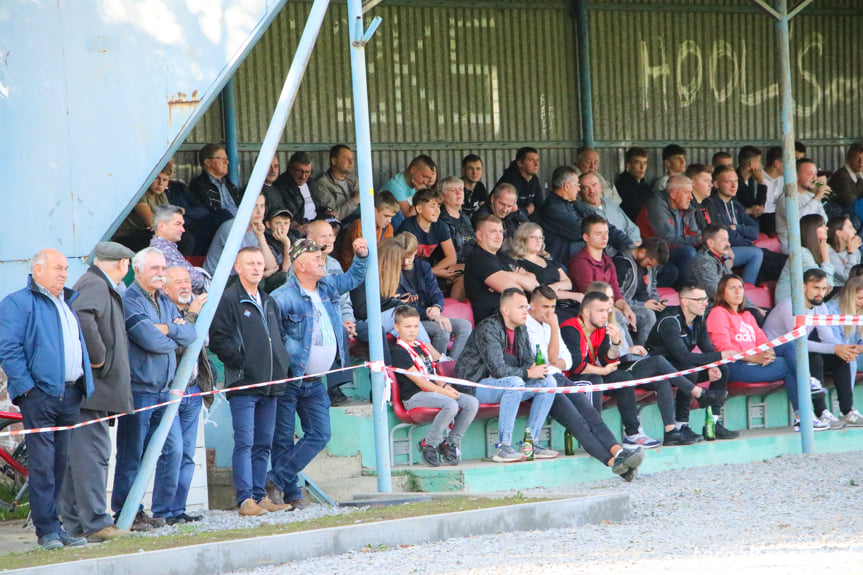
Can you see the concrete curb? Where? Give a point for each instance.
(213, 558)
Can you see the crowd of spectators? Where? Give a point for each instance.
(564, 288)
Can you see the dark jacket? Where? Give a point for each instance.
(206, 193)
(561, 221)
(751, 193)
(205, 378)
(662, 220)
(427, 289)
(845, 190)
(705, 212)
(529, 192)
(510, 222)
(249, 341)
(31, 343)
(634, 195)
(672, 338)
(483, 355)
(285, 193)
(100, 312)
(628, 271)
(731, 212)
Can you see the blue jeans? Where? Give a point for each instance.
(254, 419)
(46, 452)
(750, 258)
(510, 400)
(133, 435)
(672, 272)
(308, 400)
(785, 367)
(188, 414)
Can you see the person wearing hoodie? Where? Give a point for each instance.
(523, 173)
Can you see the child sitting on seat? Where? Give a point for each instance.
(411, 354)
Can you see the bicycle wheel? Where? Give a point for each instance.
(11, 479)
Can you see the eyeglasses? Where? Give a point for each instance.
(220, 158)
(697, 299)
(541, 238)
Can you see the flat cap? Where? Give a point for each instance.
(112, 252)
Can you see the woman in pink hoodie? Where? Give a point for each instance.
(732, 328)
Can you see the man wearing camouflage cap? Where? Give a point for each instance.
(308, 305)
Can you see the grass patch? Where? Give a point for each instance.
(179, 539)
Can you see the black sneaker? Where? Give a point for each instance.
(677, 437)
(712, 397)
(429, 453)
(627, 459)
(723, 432)
(689, 434)
(450, 454)
(337, 397)
(629, 475)
(183, 518)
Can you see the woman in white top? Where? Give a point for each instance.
(844, 247)
(815, 254)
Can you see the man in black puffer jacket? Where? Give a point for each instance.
(247, 319)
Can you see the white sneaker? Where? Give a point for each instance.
(852, 418)
(816, 387)
(831, 420)
(817, 424)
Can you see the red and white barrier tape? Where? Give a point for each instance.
(810, 320)
(586, 386)
(181, 395)
(802, 323)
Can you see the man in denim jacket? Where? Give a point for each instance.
(309, 307)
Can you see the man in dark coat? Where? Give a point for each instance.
(247, 336)
(100, 310)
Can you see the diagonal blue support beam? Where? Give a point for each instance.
(232, 246)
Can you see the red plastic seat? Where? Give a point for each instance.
(196, 261)
(739, 388)
(423, 415)
(669, 295)
(768, 243)
(452, 308)
(759, 295)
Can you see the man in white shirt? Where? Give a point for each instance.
(810, 194)
(775, 182)
(575, 411)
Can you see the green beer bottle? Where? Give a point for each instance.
(539, 359)
(527, 445)
(568, 443)
(709, 429)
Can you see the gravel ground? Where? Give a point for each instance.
(222, 520)
(782, 515)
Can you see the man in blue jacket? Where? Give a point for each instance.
(45, 358)
(309, 310)
(155, 329)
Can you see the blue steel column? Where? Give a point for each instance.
(229, 116)
(359, 38)
(789, 169)
(229, 254)
(584, 79)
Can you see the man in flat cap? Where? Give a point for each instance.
(99, 307)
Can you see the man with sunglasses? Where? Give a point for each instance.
(680, 335)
